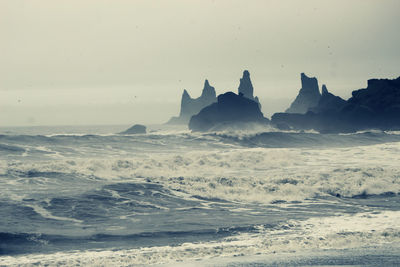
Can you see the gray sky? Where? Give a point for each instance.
(122, 62)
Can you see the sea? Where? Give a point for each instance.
(88, 196)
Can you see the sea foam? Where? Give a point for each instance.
(262, 175)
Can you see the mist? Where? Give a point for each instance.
(119, 62)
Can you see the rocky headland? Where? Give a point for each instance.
(374, 107)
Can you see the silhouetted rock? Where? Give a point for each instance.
(246, 87)
(328, 102)
(375, 107)
(379, 103)
(321, 122)
(135, 129)
(191, 106)
(308, 96)
(230, 110)
(381, 95)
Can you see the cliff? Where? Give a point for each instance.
(374, 107)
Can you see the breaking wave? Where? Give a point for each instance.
(341, 232)
(245, 175)
(166, 197)
(269, 139)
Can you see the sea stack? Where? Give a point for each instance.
(308, 96)
(246, 87)
(231, 110)
(191, 106)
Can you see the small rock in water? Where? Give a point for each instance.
(135, 129)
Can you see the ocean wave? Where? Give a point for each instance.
(361, 230)
(198, 141)
(21, 243)
(306, 139)
(11, 148)
(247, 175)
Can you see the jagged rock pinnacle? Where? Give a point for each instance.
(191, 106)
(324, 89)
(208, 91)
(185, 94)
(245, 86)
(308, 96)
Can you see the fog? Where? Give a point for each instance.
(124, 62)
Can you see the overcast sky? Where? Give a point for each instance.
(124, 62)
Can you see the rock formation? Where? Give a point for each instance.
(135, 129)
(246, 87)
(375, 107)
(328, 102)
(191, 106)
(378, 104)
(231, 109)
(308, 96)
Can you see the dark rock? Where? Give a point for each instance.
(293, 121)
(230, 110)
(380, 95)
(246, 87)
(191, 106)
(321, 122)
(308, 96)
(135, 129)
(375, 107)
(328, 102)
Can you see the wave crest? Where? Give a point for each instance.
(246, 175)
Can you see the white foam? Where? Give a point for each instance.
(46, 214)
(260, 175)
(337, 232)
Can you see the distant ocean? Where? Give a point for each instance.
(86, 196)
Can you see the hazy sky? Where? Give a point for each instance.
(124, 62)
